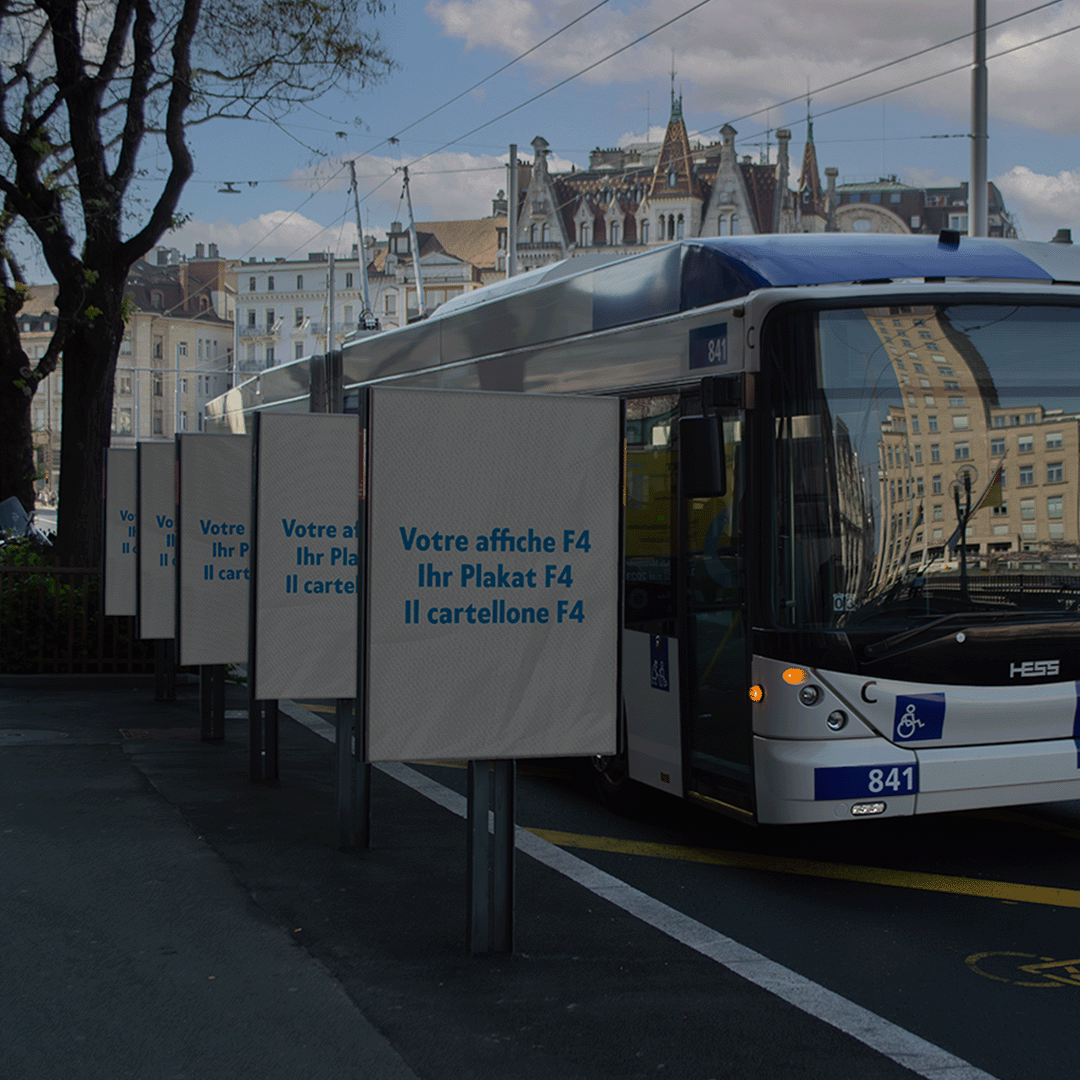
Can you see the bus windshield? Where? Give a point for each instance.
(926, 462)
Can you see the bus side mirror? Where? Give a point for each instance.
(703, 468)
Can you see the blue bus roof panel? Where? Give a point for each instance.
(833, 258)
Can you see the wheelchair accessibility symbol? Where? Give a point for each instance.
(1008, 967)
(908, 724)
(918, 717)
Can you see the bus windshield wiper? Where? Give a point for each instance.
(877, 650)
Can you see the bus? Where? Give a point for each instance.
(852, 506)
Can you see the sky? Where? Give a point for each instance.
(730, 58)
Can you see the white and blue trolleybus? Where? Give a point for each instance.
(852, 505)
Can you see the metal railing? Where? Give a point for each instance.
(51, 623)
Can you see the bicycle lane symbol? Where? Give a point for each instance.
(1045, 973)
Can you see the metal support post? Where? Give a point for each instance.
(490, 858)
(164, 669)
(478, 857)
(502, 905)
(263, 722)
(212, 701)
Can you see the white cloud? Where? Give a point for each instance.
(740, 58)
(1042, 203)
(279, 233)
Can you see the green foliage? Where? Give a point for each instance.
(53, 623)
(91, 311)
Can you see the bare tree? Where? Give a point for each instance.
(87, 89)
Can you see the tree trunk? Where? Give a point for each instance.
(89, 371)
(16, 441)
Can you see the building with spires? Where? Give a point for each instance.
(647, 194)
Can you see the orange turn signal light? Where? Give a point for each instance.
(795, 675)
(756, 693)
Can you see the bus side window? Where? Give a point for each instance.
(651, 514)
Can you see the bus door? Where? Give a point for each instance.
(714, 661)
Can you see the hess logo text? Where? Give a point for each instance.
(1033, 669)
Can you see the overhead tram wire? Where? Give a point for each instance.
(918, 82)
(486, 78)
(563, 82)
(893, 63)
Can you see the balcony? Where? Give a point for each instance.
(266, 332)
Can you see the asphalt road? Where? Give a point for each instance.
(137, 862)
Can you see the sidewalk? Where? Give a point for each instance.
(167, 918)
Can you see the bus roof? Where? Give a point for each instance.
(716, 269)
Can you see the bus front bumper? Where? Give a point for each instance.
(800, 781)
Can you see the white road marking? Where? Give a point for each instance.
(900, 1045)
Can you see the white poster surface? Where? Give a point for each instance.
(121, 532)
(214, 549)
(306, 519)
(493, 603)
(156, 468)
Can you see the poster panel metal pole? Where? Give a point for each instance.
(503, 848)
(362, 773)
(155, 588)
(261, 718)
(212, 701)
(346, 774)
(478, 858)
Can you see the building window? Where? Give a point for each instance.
(918, 455)
(199, 417)
(931, 423)
(586, 236)
(125, 345)
(159, 422)
(183, 386)
(1056, 530)
(999, 421)
(956, 403)
(1054, 440)
(1027, 475)
(935, 452)
(251, 316)
(390, 301)
(270, 283)
(269, 356)
(919, 486)
(914, 419)
(299, 282)
(645, 230)
(960, 423)
(157, 300)
(270, 319)
(183, 421)
(1026, 444)
(1031, 418)
(348, 281)
(959, 222)
(298, 316)
(1055, 507)
(251, 284)
(122, 421)
(1027, 509)
(939, 512)
(347, 315)
(734, 224)
(1055, 472)
(935, 484)
(997, 447)
(961, 451)
(298, 350)
(613, 232)
(158, 386)
(123, 385)
(679, 227)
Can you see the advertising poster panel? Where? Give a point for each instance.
(121, 532)
(493, 602)
(306, 518)
(213, 549)
(156, 557)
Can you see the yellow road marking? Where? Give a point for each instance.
(317, 708)
(871, 875)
